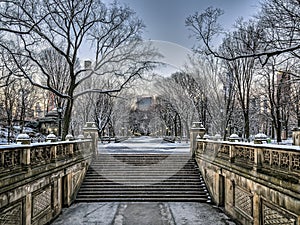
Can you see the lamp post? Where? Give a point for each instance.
(59, 111)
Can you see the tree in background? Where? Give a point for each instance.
(64, 28)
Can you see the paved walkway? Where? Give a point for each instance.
(144, 213)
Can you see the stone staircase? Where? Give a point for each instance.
(143, 177)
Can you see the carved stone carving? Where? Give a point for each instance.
(243, 201)
(274, 216)
(223, 151)
(12, 215)
(296, 162)
(244, 154)
(75, 179)
(41, 202)
(209, 179)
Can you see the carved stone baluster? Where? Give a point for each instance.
(231, 153)
(53, 150)
(258, 154)
(26, 158)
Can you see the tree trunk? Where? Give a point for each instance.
(67, 118)
(298, 115)
(246, 125)
(278, 126)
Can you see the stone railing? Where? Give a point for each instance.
(23, 157)
(280, 159)
(37, 180)
(257, 184)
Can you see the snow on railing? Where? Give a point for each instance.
(270, 157)
(19, 157)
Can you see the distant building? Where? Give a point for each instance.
(142, 111)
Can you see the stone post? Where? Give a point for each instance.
(90, 130)
(296, 136)
(23, 139)
(234, 138)
(260, 138)
(258, 153)
(256, 209)
(67, 189)
(197, 131)
(28, 208)
(51, 138)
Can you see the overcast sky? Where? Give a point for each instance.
(165, 23)
(165, 19)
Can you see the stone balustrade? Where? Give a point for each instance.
(37, 180)
(280, 159)
(256, 183)
(23, 157)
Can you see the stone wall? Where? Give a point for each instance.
(38, 180)
(256, 184)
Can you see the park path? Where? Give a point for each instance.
(143, 213)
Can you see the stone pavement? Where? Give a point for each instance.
(142, 213)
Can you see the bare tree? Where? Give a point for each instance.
(277, 85)
(279, 19)
(218, 86)
(64, 27)
(175, 101)
(243, 69)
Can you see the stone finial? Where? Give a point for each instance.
(90, 125)
(206, 136)
(198, 125)
(69, 137)
(80, 137)
(23, 139)
(234, 138)
(218, 137)
(51, 137)
(260, 138)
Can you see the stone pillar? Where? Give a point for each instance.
(197, 131)
(296, 136)
(56, 194)
(67, 194)
(90, 130)
(256, 209)
(28, 208)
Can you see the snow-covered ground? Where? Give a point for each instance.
(144, 144)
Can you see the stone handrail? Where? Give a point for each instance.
(21, 157)
(283, 159)
(257, 184)
(38, 179)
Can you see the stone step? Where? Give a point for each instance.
(143, 178)
(121, 192)
(146, 180)
(138, 184)
(145, 175)
(142, 188)
(144, 199)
